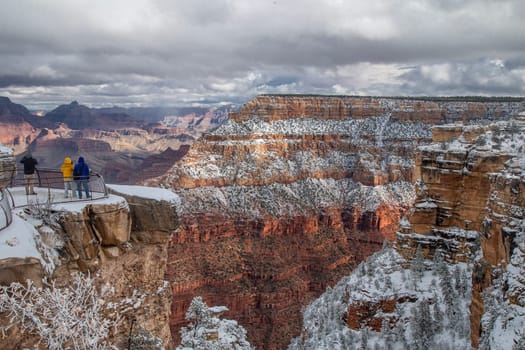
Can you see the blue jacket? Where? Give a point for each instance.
(81, 171)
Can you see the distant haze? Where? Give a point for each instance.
(199, 52)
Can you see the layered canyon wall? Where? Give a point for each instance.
(471, 206)
(291, 193)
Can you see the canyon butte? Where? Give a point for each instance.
(290, 194)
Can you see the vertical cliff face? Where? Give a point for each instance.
(289, 195)
(454, 277)
(472, 197)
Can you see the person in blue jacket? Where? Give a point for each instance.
(81, 177)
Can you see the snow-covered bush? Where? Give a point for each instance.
(72, 317)
(207, 332)
(43, 211)
(143, 339)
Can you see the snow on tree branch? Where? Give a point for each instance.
(70, 317)
(209, 332)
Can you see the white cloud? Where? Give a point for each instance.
(44, 71)
(437, 73)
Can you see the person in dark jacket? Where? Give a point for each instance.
(29, 172)
(81, 177)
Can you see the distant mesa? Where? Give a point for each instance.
(123, 144)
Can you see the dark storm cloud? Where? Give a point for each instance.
(145, 52)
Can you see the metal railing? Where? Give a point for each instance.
(53, 179)
(48, 179)
(6, 216)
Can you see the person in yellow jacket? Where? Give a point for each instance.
(67, 172)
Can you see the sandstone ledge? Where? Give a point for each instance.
(100, 238)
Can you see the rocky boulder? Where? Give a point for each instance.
(97, 226)
(152, 220)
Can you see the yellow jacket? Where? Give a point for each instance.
(67, 169)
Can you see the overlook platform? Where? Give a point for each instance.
(48, 185)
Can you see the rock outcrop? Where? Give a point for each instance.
(98, 228)
(472, 197)
(141, 263)
(16, 130)
(291, 193)
(470, 207)
(122, 241)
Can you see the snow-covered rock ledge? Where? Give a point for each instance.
(43, 236)
(85, 233)
(154, 211)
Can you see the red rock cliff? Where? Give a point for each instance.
(471, 196)
(289, 195)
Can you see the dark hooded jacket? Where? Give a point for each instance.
(81, 171)
(29, 164)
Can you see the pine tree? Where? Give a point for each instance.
(388, 283)
(422, 324)
(438, 263)
(438, 315)
(195, 336)
(386, 330)
(458, 282)
(399, 331)
(450, 296)
(519, 342)
(364, 269)
(350, 339)
(342, 341)
(417, 267)
(364, 339)
(199, 312)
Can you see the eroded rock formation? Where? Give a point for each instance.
(291, 193)
(16, 130)
(454, 277)
(472, 196)
(124, 149)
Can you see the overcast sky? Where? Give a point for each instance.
(182, 52)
